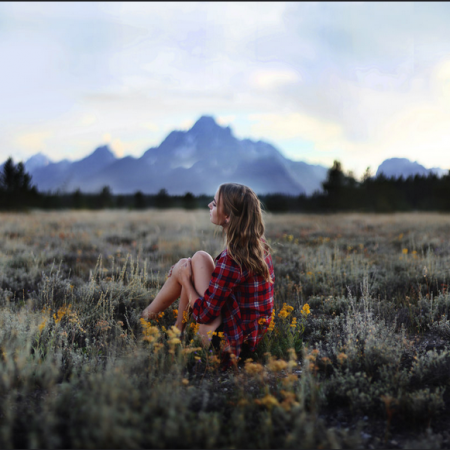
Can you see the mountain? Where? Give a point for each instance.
(397, 167)
(69, 176)
(197, 160)
(36, 161)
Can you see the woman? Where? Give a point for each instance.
(234, 292)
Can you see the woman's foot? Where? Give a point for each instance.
(148, 315)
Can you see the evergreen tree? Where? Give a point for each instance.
(139, 200)
(16, 191)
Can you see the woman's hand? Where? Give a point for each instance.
(185, 272)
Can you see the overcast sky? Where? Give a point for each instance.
(359, 82)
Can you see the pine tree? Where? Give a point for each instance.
(16, 191)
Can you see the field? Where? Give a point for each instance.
(359, 356)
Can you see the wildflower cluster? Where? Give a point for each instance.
(285, 311)
(151, 333)
(71, 316)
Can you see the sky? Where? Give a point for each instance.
(359, 82)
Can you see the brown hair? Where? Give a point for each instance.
(245, 230)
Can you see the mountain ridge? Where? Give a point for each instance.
(397, 167)
(196, 160)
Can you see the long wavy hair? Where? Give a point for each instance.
(245, 232)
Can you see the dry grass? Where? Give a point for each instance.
(79, 369)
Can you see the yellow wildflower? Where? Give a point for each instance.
(175, 313)
(151, 333)
(272, 321)
(290, 379)
(289, 400)
(196, 327)
(305, 310)
(42, 325)
(405, 251)
(64, 310)
(275, 365)
(174, 332)
(253, 368)
(187, 351)
(269, 401)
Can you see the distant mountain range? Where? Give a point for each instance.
(197, 161)
(397, 167)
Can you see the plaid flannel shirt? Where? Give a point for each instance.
(244, 300)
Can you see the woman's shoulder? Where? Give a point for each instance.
(224, 257)
(220, 255)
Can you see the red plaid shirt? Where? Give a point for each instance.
(243, 299)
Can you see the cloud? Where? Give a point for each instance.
(360, 80)
(88, 119)
(226, 120)
(152, 126)
(34, 141)
(186, 124)
(325, 135)
(119, 147)
(270, 79)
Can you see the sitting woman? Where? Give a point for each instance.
(234, 292)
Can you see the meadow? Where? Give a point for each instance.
(358, 356)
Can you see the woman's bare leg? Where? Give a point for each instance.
(202, 269)
(182, 308)
(205, 331)
(170, 291)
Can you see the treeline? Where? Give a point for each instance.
(341, 192)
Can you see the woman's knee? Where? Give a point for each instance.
(175, 268)
(203, 258)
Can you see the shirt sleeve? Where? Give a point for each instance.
(224, 278)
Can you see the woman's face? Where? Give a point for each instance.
(216, 214)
